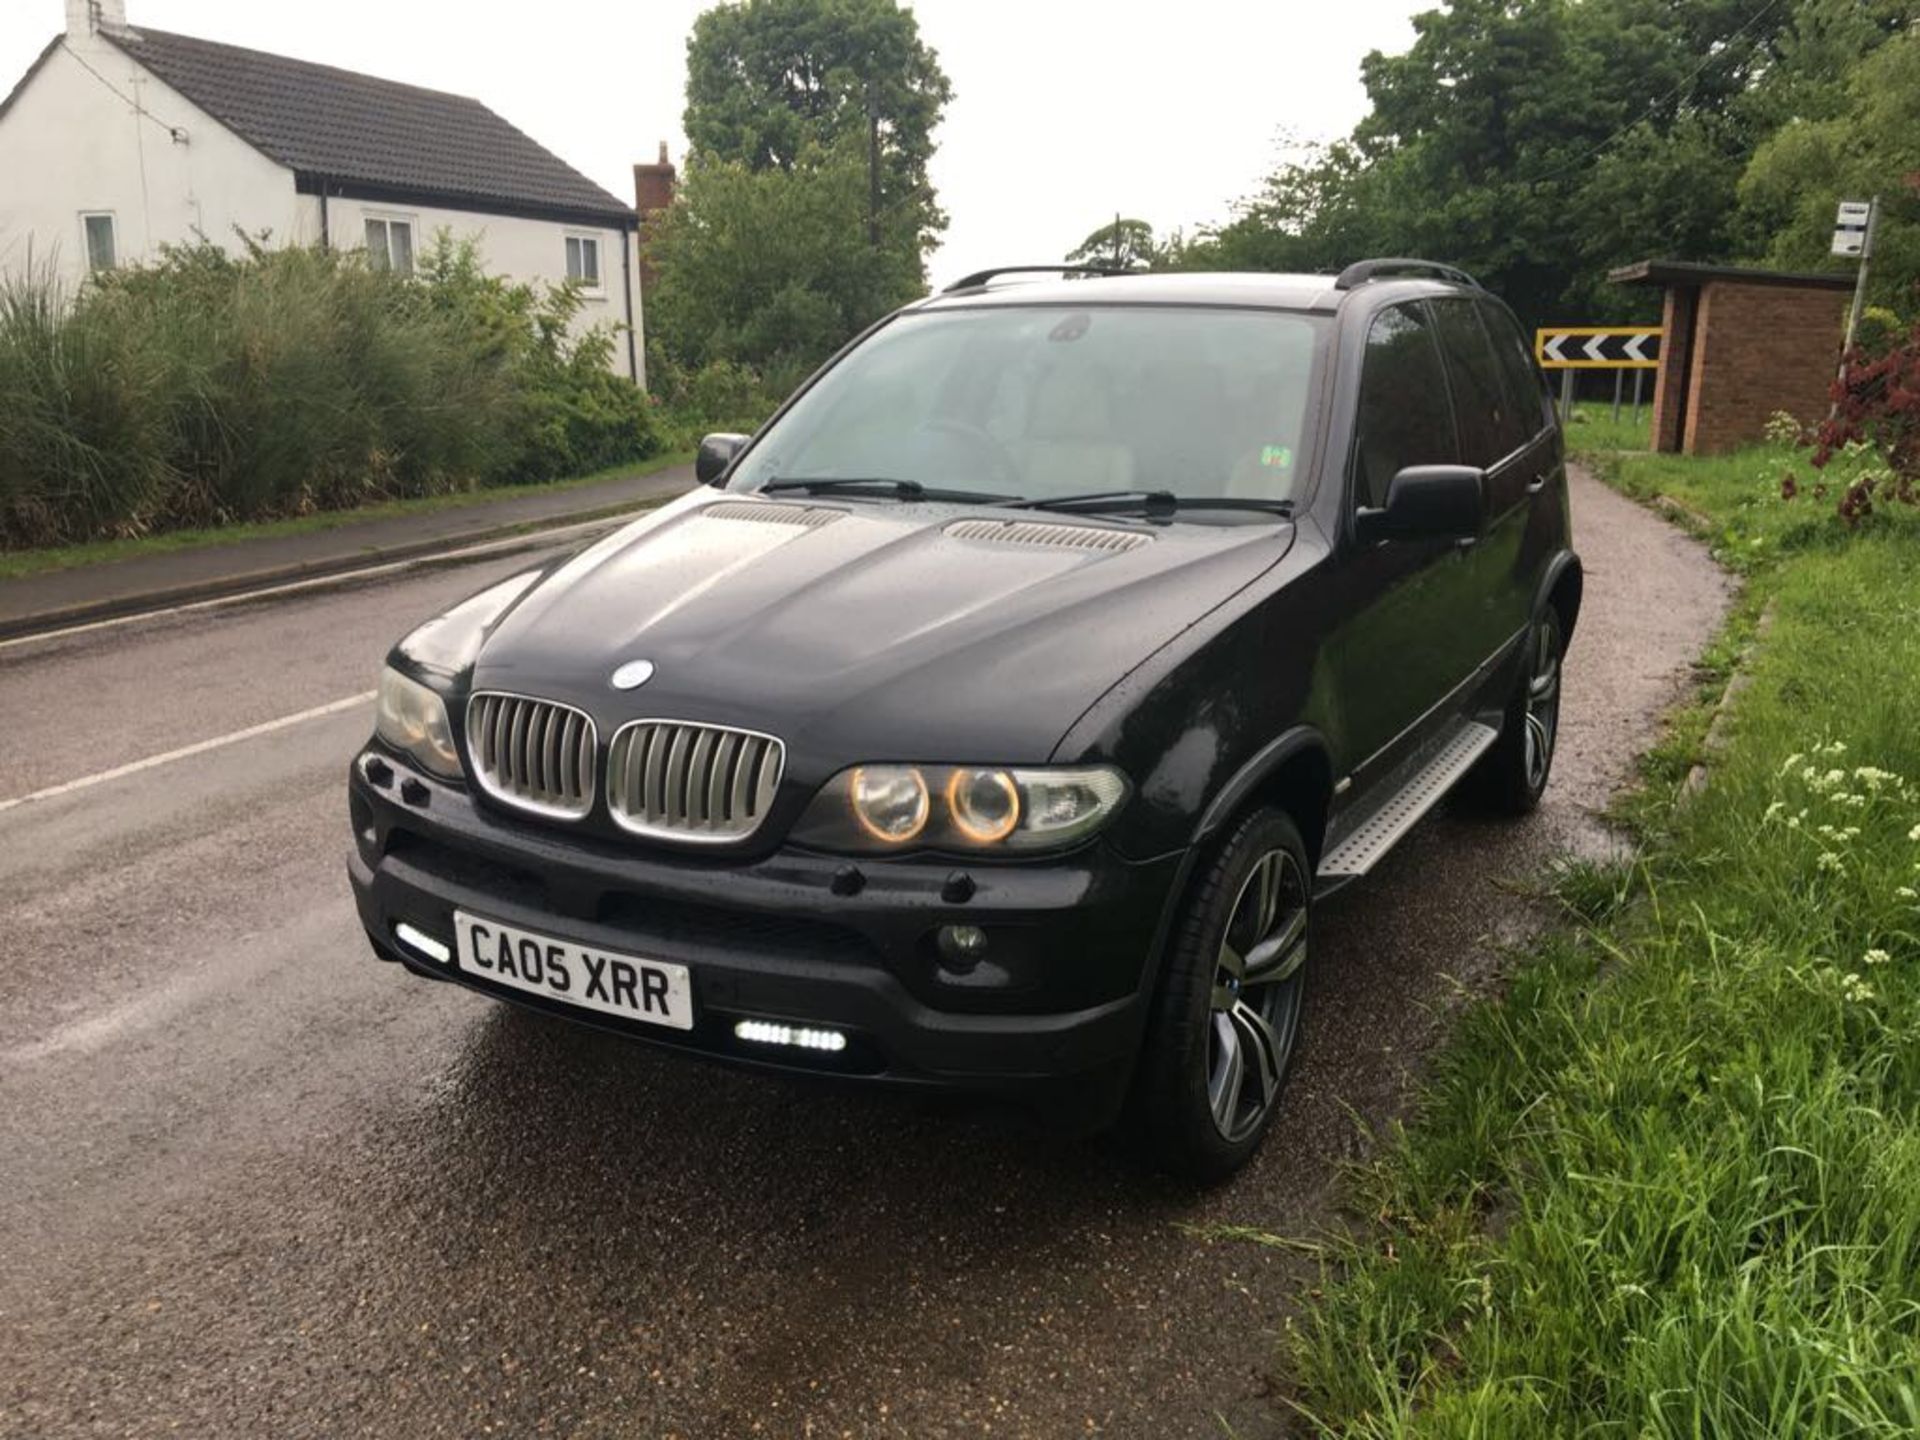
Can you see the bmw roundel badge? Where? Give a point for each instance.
(633, 674)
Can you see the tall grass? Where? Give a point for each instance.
(211, 388)
(1670, 1186)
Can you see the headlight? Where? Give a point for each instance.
(874, 809)
(413, 720)
(889, 802)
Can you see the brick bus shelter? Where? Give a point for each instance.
(1738, 345)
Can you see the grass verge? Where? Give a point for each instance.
(15, 564)
(1595, 431)
(1670, 1183)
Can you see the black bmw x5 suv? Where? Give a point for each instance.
(994, 717)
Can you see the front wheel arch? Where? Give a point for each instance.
(1562, 588)
(1293, 774)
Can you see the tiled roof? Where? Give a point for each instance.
(351, 130)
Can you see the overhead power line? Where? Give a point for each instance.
(1658, 100)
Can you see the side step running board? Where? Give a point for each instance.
(1379, 829)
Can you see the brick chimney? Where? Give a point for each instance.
(652, 193)
(87, 17)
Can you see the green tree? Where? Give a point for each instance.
(1871, 146)
(772, 82)
(1539, 143)
(770, 268)
(1123, 244)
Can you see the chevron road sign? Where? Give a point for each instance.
(1597, 347)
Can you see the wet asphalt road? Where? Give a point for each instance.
(253, 1182)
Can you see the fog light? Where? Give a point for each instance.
(766, 1032)
(424, 943)
(962, 945)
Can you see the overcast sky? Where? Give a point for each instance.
(1064, 111)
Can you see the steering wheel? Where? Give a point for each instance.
(987, 453)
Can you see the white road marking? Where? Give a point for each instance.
(118, 1022)
(266, 727)
(531, 540)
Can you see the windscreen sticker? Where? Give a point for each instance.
(1276, 457)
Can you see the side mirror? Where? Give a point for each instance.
(1428, 502)
(717, 452)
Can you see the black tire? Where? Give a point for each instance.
(1512, 776)
(1200, 1114)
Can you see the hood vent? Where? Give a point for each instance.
(1048, 535)
(769, 512)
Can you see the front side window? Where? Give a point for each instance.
(1490, 428)
(1045, 400)
(102, 252)
(390, 244)
(583, 260)
(1404, 418)
(1525, 385)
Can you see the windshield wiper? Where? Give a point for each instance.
(1150, 503)
(899, 489)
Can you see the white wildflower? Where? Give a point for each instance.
(1774, 809)
(1856, 989)
(1829, 861)
(1876, 956)
(1907, 892)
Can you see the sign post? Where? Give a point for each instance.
(1853, 229)
(1568, 348)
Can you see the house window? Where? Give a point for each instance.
(390, 244)
(102, 253)
(583, 260)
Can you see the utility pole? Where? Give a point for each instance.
(1116, 239)
(873, 173)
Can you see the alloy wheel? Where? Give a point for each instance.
(1255, 1007)
(1543, 703)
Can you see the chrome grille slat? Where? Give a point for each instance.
(720, 777)
(682, 780)
(532, 754)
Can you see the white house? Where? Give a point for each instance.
(121, 139)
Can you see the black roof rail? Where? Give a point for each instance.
(1362, 271)
(981, 277)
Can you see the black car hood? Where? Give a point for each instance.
(868, 630)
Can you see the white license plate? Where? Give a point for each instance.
(625, 985)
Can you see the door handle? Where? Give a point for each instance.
(1536, 485)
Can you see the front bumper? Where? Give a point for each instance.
(1058, 996)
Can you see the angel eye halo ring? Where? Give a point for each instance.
(984, 805)
(889, 802)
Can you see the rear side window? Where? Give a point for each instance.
(1524, 385)
(1404, 419)
(1490, 428)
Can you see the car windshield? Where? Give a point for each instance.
(1044, 401)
